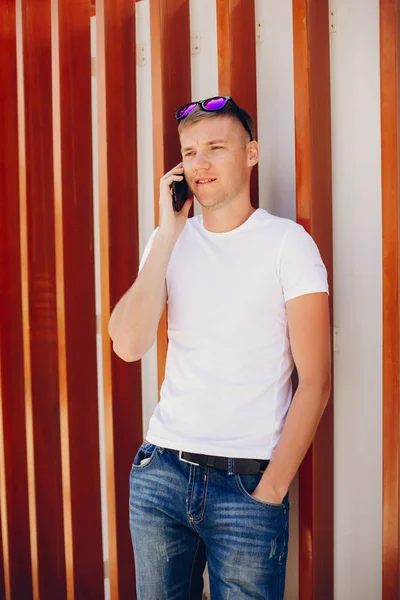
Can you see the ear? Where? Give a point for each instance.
(252, 154)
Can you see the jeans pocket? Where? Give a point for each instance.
(144, 457)
(247, 484)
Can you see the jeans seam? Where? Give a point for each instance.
(204, 503)
(190, 490)
(191, 570)
(285, 536)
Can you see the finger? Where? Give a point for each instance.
(172, 178)
(173, 171)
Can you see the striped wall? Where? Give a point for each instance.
(357, 254)
(51, 518)
(86, 131)
(389, 74)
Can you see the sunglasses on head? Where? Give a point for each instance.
(214, 104)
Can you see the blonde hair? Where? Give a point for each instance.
(229, 111)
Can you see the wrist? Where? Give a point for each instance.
(277, 487)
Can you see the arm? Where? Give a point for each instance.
(309, 333)
(134, 321)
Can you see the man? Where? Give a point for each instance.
(247, 299)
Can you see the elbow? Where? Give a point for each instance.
(326, 394)
(120, 344)
(130, 350)
(327, 385)
(125, 354)
(112, 331)
(318, 387)
(326, 388)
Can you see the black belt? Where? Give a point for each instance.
(241, 466)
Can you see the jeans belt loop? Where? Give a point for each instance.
(231, 466)
(210, 461)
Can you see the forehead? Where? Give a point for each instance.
(217, 128)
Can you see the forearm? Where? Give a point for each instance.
(302, 420)
(134, 321)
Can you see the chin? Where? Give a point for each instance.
(210, 200)
(208, 204)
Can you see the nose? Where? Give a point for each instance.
(201, 161)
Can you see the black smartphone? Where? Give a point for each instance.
(180, 193)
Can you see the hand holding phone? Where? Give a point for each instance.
(180, 193)
(175, 202)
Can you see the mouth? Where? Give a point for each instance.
(204, 181)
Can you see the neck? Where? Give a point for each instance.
(226, 218)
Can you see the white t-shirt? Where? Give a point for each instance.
(227, 386)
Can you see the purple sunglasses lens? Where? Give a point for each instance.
(186, 110)
(215, 103)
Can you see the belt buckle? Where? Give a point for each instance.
(189, 462)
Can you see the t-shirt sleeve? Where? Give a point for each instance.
(300, 266)
(147, 249)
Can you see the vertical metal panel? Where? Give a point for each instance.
(314, 212)
(389, 61)
(76, 318)
(59, 267)
(170, 70)
(4, 568)
(24, 275)
(13, 466)
(39, 284)
(116, 84)
(176, 89)
(5, 588)
(158, 154)
(237, 61)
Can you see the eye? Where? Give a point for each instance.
(188, 154)
(216, 147)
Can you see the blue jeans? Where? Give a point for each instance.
(183, 515)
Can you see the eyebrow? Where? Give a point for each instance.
(210, 143)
